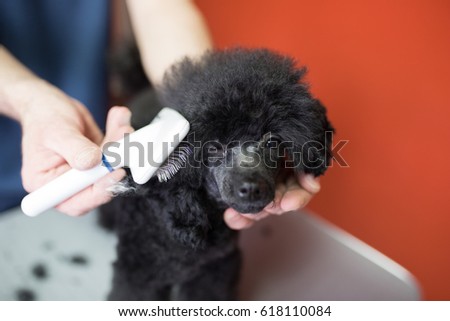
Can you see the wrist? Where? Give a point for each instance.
(26, 96)
(20, 88)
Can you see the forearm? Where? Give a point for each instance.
(167, 31)
(17, 83)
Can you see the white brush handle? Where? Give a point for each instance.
(158, 139)
(60, 189)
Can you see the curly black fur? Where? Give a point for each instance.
(173, 243)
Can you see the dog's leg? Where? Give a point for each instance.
(216, 280)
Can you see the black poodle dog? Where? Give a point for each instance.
(252, 120)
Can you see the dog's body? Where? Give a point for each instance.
(173, 244)
(243, 106)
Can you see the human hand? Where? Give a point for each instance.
(291, 194)
(58, 134)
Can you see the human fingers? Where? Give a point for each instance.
(91, 129)
(45, 158)
(93, 196)
(76, 149)
(117, 123)
(309, 182)
(296, 196)
(236, 220)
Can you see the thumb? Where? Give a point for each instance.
(117, 123)
(78, 151)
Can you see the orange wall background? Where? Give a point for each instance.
(382, 68)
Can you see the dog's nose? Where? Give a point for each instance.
(251, 191)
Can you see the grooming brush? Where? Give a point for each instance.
(173, 163)
(142, 151)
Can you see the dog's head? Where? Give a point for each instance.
(251, 116)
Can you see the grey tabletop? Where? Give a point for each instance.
(297, 256)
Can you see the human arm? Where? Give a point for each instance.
(58, 132)
(166, 31)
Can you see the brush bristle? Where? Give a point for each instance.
(174, 163)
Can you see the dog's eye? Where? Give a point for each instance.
(272, 142)
(214, 149)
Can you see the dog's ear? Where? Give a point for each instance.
(310, 151)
